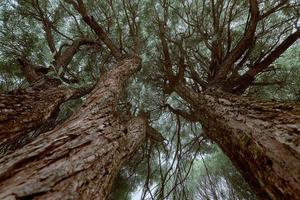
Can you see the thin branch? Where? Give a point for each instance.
(90, 20)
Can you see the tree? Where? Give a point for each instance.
(207, 53)
(103, 135)
(215, 172)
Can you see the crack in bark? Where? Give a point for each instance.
(92, 144)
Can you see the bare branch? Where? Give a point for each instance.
(80, 7)
(290, 40)
(242, 45)
(242, 83)
(64, 58)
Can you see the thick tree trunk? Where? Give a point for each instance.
(22, 111)
(79, 158)
(261, 139)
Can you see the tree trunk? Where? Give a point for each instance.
(261, 139)
(22, 111)
(79, 158)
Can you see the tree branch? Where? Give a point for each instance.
(89, 20)
(290, 40)
(242, 45)
(188, 116)
(28, 70)
(64, 58)
(243, 82)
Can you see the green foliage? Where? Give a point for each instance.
(282, 83)
(11, 76)
(214, 176)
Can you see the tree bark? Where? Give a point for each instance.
(79, 158)
(22, 111)
(261, 139)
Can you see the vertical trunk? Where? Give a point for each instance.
(79, 158)
(261, 139)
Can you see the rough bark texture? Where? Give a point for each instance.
(79, 158)
(22, 111)
(261, 139)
